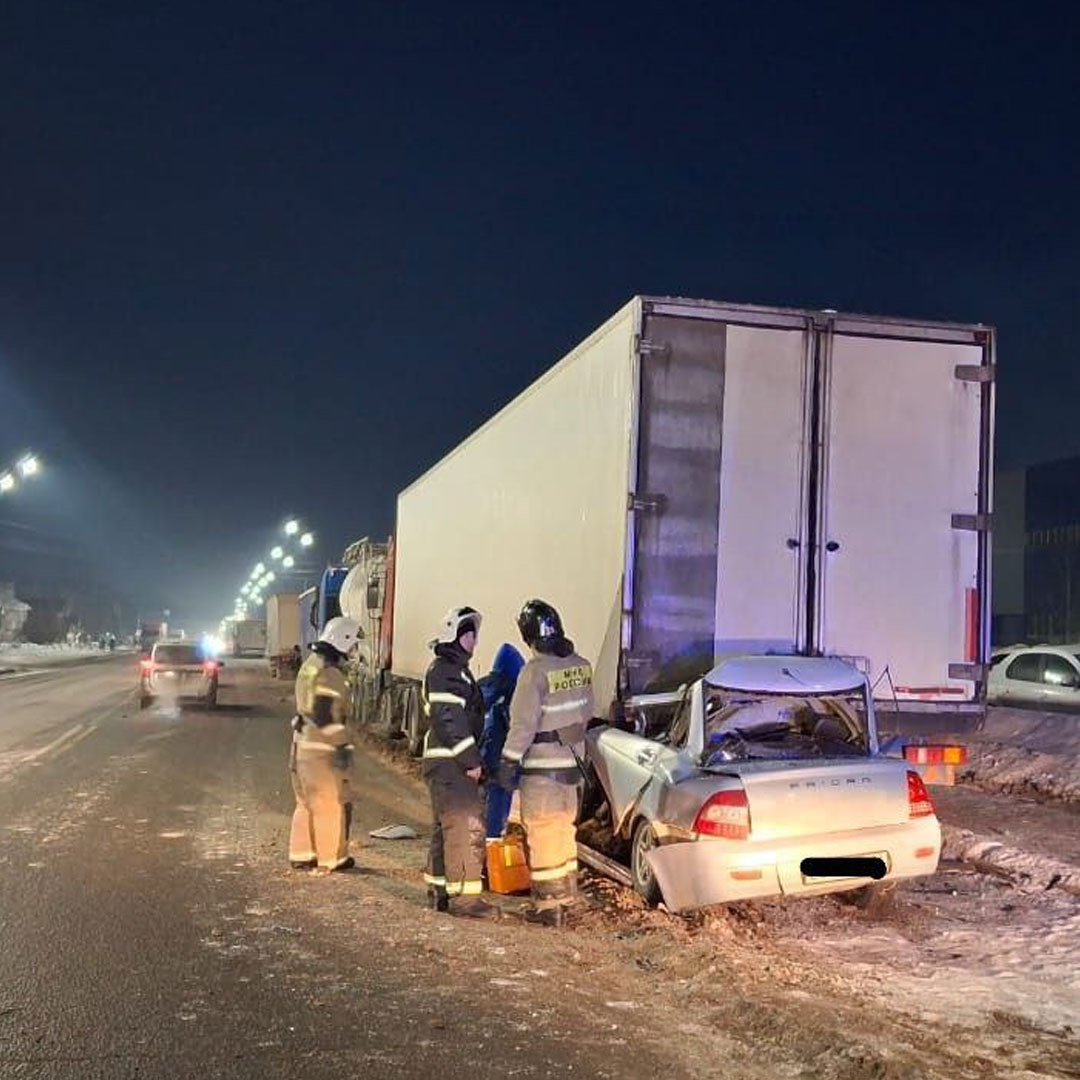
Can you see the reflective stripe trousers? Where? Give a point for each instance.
(549, 810)
(456, 860)
(320, 822)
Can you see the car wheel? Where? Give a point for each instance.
(644, 840)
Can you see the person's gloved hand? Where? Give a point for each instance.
(506, 775)
(342, 758)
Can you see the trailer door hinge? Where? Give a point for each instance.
(971, 672)
(647, 504)
(652, 348)
(973, 522)
(980, 373)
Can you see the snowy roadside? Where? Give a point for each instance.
(1025, 752)
(14, 658)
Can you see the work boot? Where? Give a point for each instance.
(438, 900)
(546, 916)
(474, 907)
(302, 864)
(346, 864)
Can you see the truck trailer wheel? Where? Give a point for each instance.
(413, 725)
(645, 883)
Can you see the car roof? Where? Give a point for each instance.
(1071, 651)
(786, 675)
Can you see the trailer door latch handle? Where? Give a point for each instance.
(832, 545)
(792, 543)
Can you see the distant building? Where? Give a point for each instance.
(1036, 568)
(13, 613)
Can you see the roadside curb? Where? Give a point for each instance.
(1023, 869)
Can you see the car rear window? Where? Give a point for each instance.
(178, 654)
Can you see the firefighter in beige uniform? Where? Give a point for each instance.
(550, 710)
(321, 759)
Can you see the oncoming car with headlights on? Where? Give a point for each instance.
(179, 672)
(762, 779)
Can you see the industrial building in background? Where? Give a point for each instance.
(1037, 553)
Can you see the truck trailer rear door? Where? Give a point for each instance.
(902, 543)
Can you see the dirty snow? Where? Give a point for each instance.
(1022, 751)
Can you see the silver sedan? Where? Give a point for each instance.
(762, 779)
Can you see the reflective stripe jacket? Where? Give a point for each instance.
(554, 697)
(454, 707)
(322, 697)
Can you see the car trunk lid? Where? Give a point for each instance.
(799, 798)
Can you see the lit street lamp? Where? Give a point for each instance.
(292, 527)
(288, 562)
(29, 465)
(7, 482)
(276, 553)
(307, 540)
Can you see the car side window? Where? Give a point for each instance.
(1057, 671)
(1027, 667)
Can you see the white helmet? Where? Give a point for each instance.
(450, 628)
(342, 634)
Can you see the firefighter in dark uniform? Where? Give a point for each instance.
(453, 769)
(549, 713)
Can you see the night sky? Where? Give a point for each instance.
(271, 258)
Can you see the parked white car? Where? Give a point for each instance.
(764, 780)
(1035, 675)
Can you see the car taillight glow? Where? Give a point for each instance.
(919, 802)
(727, 814)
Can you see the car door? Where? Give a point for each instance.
(1060, 681)
(625, 764)
(1023, 678)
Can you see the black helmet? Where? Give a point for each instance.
(539, 622)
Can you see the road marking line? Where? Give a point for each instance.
(22, 674)
(59, 741)
(77, 739)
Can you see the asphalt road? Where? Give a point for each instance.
(150, 926)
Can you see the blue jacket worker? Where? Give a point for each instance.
(497, 688)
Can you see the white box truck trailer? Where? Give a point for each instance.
(282, 631)
(700, 479)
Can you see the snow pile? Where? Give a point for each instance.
(25, 655)
(1024, 869)
(1026, 752)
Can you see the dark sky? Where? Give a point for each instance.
(261, 258)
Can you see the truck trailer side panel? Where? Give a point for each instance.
(533, 504)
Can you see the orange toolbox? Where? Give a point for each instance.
(507, 865)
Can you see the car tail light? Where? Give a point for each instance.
(727, 814)
(918, 798)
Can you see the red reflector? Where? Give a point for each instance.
(924, 852)
(746, 875)
(727, 814)
(919, 804)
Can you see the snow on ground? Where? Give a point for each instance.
(1024, 751)
(30, 655)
